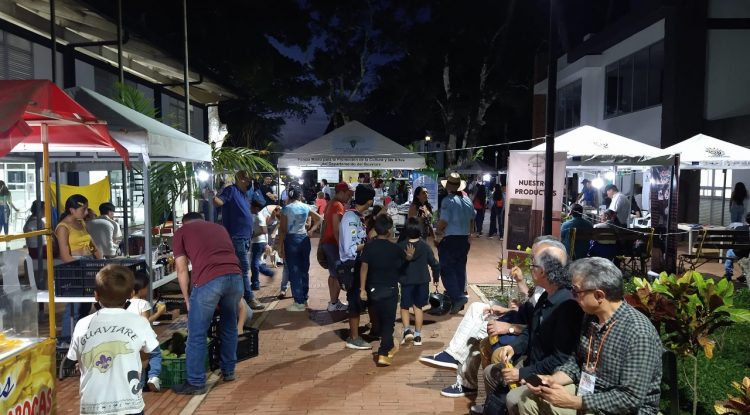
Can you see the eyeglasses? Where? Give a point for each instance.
(576, 292)
(532, 266)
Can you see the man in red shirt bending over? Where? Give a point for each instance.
(330, 242)
(216, 281)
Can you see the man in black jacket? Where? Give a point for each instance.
(548, 340)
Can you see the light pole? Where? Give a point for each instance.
(496, 161)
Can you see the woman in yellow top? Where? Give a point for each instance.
(72, 237)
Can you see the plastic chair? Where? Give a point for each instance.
(9, 261)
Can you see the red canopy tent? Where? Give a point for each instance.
(26, 105)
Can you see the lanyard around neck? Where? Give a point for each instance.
(599, 350)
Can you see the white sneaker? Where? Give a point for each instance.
(154, 384)
(477, 409)
(296, 307)
(337, 306)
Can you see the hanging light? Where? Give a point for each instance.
(598, 183)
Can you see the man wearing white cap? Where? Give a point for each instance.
(456, 223)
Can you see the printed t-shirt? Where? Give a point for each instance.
(296, 218)
(384, 260)
(107, 346)
(334, 208)
(138, 306)
(352, 232)
(235, 212)
(259, 221)
(209, 248)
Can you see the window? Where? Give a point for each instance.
(568, 112)
(711, 191)
(634, 82)
(16, 57)
(174, 112)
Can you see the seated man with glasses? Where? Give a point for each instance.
(548, 341)
(617, 367)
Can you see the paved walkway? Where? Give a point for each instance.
(304, 368)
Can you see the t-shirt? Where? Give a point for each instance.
(416, 271)
(139, 306)
(352, 232)
(621, 204)
(103, 233)
(334, 208)
(265, 189)
(208, 247)
(384, 260)
(235, 212)
(107, 346)
(321, 204)
(259, 221)
(296, 217)
(458, 212)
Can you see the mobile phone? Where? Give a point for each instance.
(533, 380)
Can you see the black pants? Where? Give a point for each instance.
(383, 300)
(497, 220)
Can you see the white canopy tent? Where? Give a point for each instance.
(590, 146)
(352, 146)
(706, 152)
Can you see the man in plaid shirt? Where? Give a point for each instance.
(617, 368)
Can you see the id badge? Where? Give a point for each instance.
(586, 385)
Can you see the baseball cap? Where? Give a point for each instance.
(342, 187)
(363, 194)
(584, 181)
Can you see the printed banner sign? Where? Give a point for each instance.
(429, 181)
(524, 198)
(28, 381)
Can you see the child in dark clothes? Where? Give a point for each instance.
(415, 280)
(379, 273)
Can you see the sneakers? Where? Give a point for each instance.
(255, 304)
(477, 409)
(358, 344)
(417, 340)
(188, 389)
(458, 305)
(337, 306)
(154, 384)
(408, 335)
(392, 352)
(441, 360)
(385, 360)
(296, 307)
(457, 391)
(282, 293)
(228, 377)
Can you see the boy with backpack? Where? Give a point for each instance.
(415, 280)
(108, 346)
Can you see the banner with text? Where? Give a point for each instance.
(429, 181)
(524, 199)
(28, 381)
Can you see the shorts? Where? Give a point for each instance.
(416, 295)
(332, 257)
(356, 305)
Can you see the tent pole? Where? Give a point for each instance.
(147, 227)
(53, 40)
(125, 213)
(38, 162)
(58, 196)
(48, 225)
(723, 196)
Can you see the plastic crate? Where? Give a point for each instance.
(247, 347)
(173, 371)
(65, 368)
(78, 278)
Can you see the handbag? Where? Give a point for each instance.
(345, 273)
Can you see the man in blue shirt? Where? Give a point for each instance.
(576, 221)
(588, 194)
(237, 217)
(456, 223)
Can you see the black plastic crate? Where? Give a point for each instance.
(65, 368)
(78, 278)
(247, 347)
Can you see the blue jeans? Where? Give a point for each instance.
(73, 312)
(154, 366)
(224, 291)
(729, 263)
(241, 247)
(297, 260)
(736, 213)
(285, 278)
(4, 218)
(453, 251)
(256, 266)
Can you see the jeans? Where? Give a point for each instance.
(73, 312)
(497, 220)
(453, 251)
(729, 263)
(256, 266)
(224, 291)
(384, 301)
(297, 251)
(154, 363)
(736, 213)
(241, 247)
(285, 278)
(4, 218)
(479, 220)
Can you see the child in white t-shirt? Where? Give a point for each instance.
(108, 346)
(139, 305)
